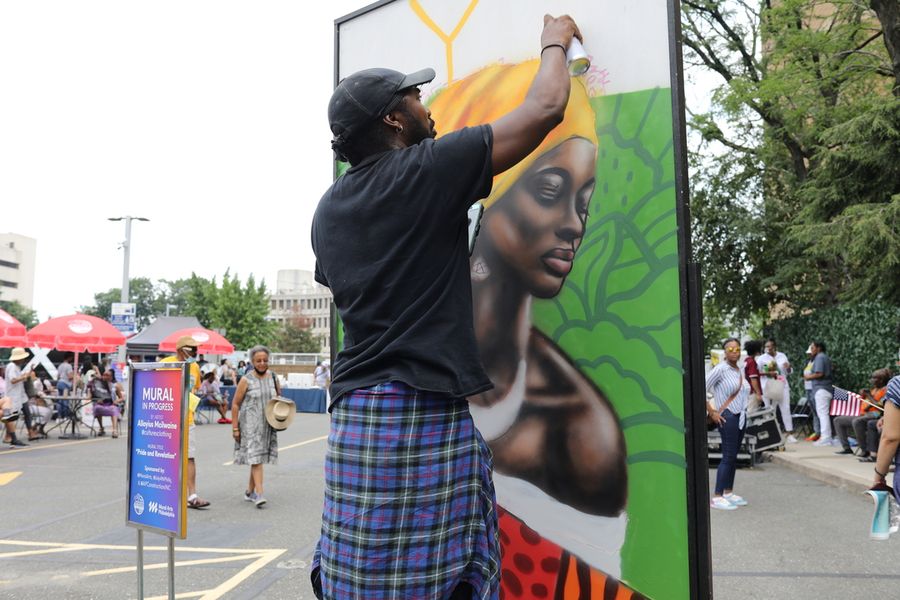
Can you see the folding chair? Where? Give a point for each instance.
(803, 412)
(201, 415)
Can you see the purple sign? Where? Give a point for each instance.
(157, 453)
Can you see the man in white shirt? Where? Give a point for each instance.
(65, 375)
(774, 368)
(320, 375)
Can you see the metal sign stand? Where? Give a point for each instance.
(176, 473)
(171, 568)
(140, 565)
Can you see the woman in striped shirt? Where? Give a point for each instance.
(730, 391)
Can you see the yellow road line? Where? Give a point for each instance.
(242, 575)
(318, 439)
(262, 558)
(180, 563)
(7, 477)
(146, 548)
(51, 446)
(297, 445)
(181, 595)
(73, 548)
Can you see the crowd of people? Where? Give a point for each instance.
(31, 395)
(256, 414)
(735, 390)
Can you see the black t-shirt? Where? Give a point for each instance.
(390, 240)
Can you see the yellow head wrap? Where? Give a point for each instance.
(490, 93)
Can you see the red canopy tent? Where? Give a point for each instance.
(76, 333)
(208, 342)
(12, 333)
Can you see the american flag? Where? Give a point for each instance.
(845, 403)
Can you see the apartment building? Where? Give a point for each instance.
(297, 294)
(17, 255)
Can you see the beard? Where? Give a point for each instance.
(419, 130)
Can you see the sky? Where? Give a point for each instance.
(206, 117)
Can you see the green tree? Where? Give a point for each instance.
(194, 296)
(240, 310)
(798, 78)
(148, 297)
(295, 336)
(888, 12)
(852, 204)
(19, 311)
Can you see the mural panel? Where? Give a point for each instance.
(576, 288)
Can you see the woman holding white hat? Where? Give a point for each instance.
(252, 415)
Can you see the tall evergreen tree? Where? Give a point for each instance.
(241, 310)
(800, 79)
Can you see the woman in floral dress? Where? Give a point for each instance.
(255, 441)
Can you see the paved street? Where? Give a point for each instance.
(799, 539)
(63, 534)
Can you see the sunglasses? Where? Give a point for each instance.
(732, 349)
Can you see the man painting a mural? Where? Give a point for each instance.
(409, 505)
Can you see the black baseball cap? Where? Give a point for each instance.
(367, 95)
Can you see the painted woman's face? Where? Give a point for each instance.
(535, 229)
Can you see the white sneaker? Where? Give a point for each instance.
(791, 439)
(259, 501)
(823, 442)
(721, 503)
(735, 499)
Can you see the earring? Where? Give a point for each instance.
(479, 270)
(399, 129)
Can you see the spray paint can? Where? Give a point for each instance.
(577, 58)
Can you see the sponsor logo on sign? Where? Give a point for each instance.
(153, 507)
(80, 326)
(200, 336)
(138, 504)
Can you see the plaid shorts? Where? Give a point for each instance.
(410, 510)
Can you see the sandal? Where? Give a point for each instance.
(115, 434)
(101, 433)
(197, 503)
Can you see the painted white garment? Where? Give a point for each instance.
(495, 420)
(595, 540)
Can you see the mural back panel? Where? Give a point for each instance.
(576, 288)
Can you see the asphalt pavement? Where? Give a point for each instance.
(799, 538)
(63, 533)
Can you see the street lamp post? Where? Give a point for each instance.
(126, 246)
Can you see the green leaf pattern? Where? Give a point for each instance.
(618, 318)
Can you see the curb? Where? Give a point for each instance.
(845, 481)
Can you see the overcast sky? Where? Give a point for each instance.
(207, 117)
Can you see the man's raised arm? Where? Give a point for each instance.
(519, 132)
